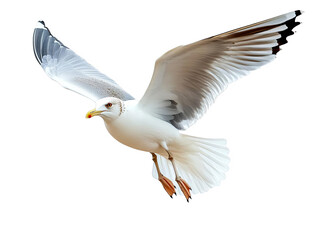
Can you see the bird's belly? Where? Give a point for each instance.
(144, 133)
(133, 139)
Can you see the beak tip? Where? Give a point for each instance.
(88, 115)
(92, 113)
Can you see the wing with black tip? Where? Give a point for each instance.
(187, 79)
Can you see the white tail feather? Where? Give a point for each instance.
(201, 162)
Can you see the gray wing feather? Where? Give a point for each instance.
(70, 70)
(187, 79)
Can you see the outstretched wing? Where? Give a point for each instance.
(187, 79)
(70, 70)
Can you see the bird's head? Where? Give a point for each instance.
(108, 108)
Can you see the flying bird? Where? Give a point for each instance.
(185, 82)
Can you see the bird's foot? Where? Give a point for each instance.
(184, 187)
(168, 185)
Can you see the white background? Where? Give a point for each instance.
(63, 176)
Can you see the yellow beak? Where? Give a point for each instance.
(93, 113)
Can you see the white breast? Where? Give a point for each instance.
(141, 131)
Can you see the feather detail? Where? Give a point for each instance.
(70, 70)
(191, 77)
(201, 162)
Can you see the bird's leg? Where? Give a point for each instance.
(167, 184)
(183, 185)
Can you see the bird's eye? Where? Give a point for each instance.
(108, 105)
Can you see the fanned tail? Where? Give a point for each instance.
(201, 162)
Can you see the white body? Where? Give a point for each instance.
(140, 130)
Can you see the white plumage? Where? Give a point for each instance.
(186, 80)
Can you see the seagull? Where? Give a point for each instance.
(185, 82)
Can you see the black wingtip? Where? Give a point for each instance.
(298, 13)
(275, 49)
(291, 24)
(42, 22)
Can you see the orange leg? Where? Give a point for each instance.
(183, 185)
(167, 184)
